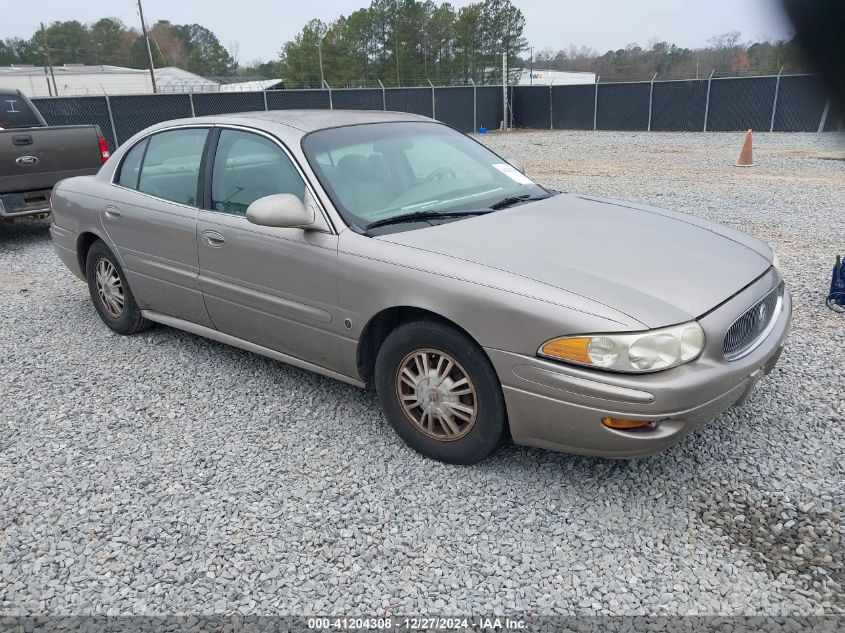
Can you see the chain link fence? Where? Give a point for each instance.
(792, 103)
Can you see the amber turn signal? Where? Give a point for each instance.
(616, 423)
(574, 349)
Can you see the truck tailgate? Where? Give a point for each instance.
(38, 157)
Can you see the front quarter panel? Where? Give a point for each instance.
(499, 310)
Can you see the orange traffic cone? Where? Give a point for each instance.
(746, 158)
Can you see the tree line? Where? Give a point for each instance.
(110, 42)
(397, 42)
(725, 55)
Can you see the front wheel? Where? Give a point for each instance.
(440, 392)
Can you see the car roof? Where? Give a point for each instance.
(304, 120)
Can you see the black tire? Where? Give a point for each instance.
(129, 320)
(484, 434)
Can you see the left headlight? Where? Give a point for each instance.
(640, 352)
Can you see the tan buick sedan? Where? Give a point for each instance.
(388, 250)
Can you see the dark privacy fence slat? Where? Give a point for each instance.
(358, 99)
(622, 106)
(297, 99)
(679, 105)
(415, 100)
(489, 107)
(572, 107)
(532, 106)
(801, 102)
(77, 111)
(734, 104)
(206, 103)
(741, 103)
(133, 113)
(453, 106)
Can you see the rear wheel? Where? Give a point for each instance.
(440, 392)
(110, 292)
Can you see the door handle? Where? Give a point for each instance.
(112, 213)
(22, 139)
(213, 239)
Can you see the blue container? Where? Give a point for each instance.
(482, 130)
(837, 287)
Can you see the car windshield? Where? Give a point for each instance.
(381, 171)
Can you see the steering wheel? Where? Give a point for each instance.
(439, 174)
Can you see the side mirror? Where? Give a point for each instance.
(281, 210)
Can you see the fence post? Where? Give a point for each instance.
(383, 96)
(474, 108)
(111, 120)
(823, 121)
(650, 98)
(264, 92)
(707, 103)
(433, 112)
(329, 88)
(551, 106)
(775, 102)
(596, 103)
(191, 99)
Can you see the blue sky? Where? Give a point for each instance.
(261, 26)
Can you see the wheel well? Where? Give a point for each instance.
(381, 325)
(83, 245)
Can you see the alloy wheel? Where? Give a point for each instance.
(109, 288)
(436, 394)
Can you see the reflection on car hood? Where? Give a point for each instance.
(657, 266)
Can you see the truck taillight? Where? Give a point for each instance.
(104, 148)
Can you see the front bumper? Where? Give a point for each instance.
(560, 407)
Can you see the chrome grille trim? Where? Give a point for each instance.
(754, 325)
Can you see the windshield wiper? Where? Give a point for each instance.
(418, 216)
(510, 201)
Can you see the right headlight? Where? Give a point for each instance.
(640, 352)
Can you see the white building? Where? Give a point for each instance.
(77, 80)
(540, 77)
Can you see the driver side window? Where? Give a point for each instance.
(247, 167)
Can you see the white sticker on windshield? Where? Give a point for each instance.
(513, 173)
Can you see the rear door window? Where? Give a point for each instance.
(131, 166)
(172, 165)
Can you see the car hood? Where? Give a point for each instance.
(658, 267)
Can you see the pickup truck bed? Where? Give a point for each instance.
(34, 157)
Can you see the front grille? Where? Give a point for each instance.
(749, 330)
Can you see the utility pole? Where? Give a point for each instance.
(149, 51)
(49, 63)
(531, 68)
(504, 91)
(320, 57)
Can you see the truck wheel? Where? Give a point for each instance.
(110, 292)
(440, 392)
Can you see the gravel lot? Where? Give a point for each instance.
(165, 473)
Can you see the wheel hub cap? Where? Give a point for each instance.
(109, 288)
(436, 394)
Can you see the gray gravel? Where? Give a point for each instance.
(165, 473)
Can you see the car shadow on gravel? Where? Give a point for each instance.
(16, 234)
